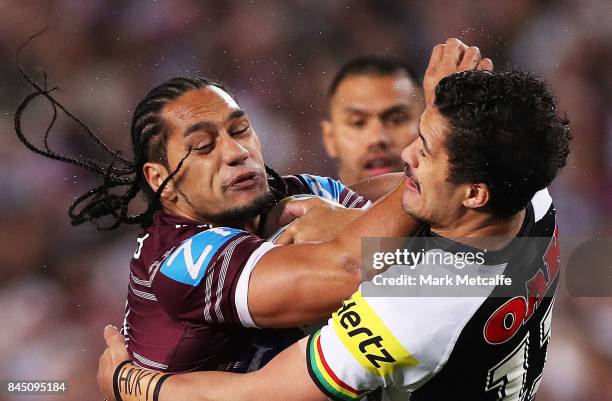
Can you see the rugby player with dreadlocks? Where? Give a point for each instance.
(201, 279)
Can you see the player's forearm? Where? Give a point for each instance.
(386, 218)
(300, 284)
(206, 386)
(284, 378)
(138, 384)
(332, 271)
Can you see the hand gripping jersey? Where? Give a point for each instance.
(487, 347)
(187, 299)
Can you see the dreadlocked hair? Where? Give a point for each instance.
(149, 135)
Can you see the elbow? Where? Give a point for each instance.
(352, 269)
(349, 263)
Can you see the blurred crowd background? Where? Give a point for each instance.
(60, 285)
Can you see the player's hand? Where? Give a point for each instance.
(113, 355)
(315, 220)
(448, 58)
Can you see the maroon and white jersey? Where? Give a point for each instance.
(187, 299)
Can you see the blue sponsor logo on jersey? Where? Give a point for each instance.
(188, 263)
(324, 187)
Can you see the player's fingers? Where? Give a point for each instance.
(471, 59)
(102, 362)
(288, 215)
(436, 55)
(105, 371)
(291, 211)
(453, 52)
(103, 365)
(113, 338)
(287, 237)
(297, 208)
(486, 64)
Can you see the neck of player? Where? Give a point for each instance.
(476, 224)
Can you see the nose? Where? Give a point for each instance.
(377, 134)
(410, 154)
(233, 153)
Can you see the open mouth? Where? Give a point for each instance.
(379, 164)
(243, 181)
(411, 182)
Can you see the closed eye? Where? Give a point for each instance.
(357, 119)
(395, 119)
(207, 147)
(240, 131)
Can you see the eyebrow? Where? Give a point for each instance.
(399, 108)
(209, 125)
(355, 111)
(235, 114)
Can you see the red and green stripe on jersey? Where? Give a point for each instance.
(325, 378)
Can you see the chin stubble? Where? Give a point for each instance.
(240, 215)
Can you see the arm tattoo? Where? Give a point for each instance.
(138, 384)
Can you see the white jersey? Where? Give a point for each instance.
(485, 347)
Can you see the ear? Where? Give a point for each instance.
(478, 195)
(155, 174)
(329, 140)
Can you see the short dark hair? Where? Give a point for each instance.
(371, 65)
(505, 132)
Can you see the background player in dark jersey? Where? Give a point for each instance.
(373, 113)
(463, 179)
